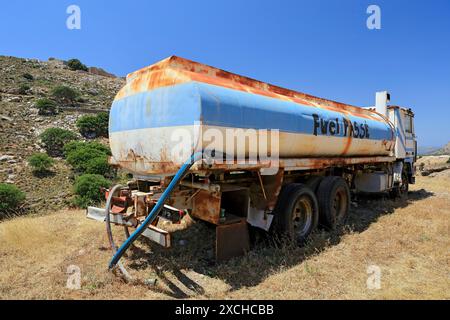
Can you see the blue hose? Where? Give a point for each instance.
(156, 209)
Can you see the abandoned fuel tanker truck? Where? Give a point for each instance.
(234, 152)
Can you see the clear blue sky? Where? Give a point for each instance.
(318, 47)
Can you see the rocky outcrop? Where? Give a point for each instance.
(100, 72)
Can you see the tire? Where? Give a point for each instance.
(333, 196)
(401, 191)
(296, 212)
(314, 182)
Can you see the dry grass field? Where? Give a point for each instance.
(409, 240)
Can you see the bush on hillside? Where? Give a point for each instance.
(80, 159)
(23, 89)
(54, 140)
(28, 76)
(93, 126)
(46, 107)
(103, 124)
(87, 189)
(64, 94)
(88, 157)
(75, 64)
(11, 198)
(73, 145)
(99, 165)
(41, 163)
(87, 126)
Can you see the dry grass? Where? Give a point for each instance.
(408, 240)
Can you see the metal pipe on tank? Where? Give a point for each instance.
(382, 99)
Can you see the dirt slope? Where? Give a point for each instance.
(407, 240)
(20, 124)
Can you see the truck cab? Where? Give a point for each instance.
(405, 142)
(405, 151)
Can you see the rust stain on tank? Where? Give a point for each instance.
(321, 163)
(139, 163)
(349, 139)
(175, 70)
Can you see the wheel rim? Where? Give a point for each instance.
(339, 204)
(302, 216)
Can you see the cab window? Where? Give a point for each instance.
(408, 124)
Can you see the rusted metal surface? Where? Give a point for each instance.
(232, 240)
(176, 70)
(306, 163)
(273, 186)
(182, 198)
(120, 203)
(286, 164)
(204, 186)
(206, 206)
(146, 112)
(321, 163)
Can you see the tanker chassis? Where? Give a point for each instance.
(324, 152)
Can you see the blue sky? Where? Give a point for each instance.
(318, 47)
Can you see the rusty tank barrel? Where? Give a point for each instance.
(177, 93)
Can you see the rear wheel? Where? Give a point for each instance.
(404, 188)
(334, 201)
(314, 182)
(296, 214)
(401, 190)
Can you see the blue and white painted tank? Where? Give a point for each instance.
(178, 95)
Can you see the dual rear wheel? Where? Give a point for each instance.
(333, 196)
(301, 207)
(296, 212)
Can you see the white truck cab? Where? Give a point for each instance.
(405, 141)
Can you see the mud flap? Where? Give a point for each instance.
(232, 240)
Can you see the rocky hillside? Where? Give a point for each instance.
(444, 150)
(435, 151)
(22, 82)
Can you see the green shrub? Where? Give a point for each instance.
(10, 198)
(64, 94)
(80, 157)
(88, 157)
(41, 163)
(54, 140)
(28, 76)
(99, 165)
(87, 126)
(23, 88)
(82, 100)
(448, 161)
(91, 145)
(103, 124)
(46, 107)
(75, 64)
(87, 189)
(93, 126)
